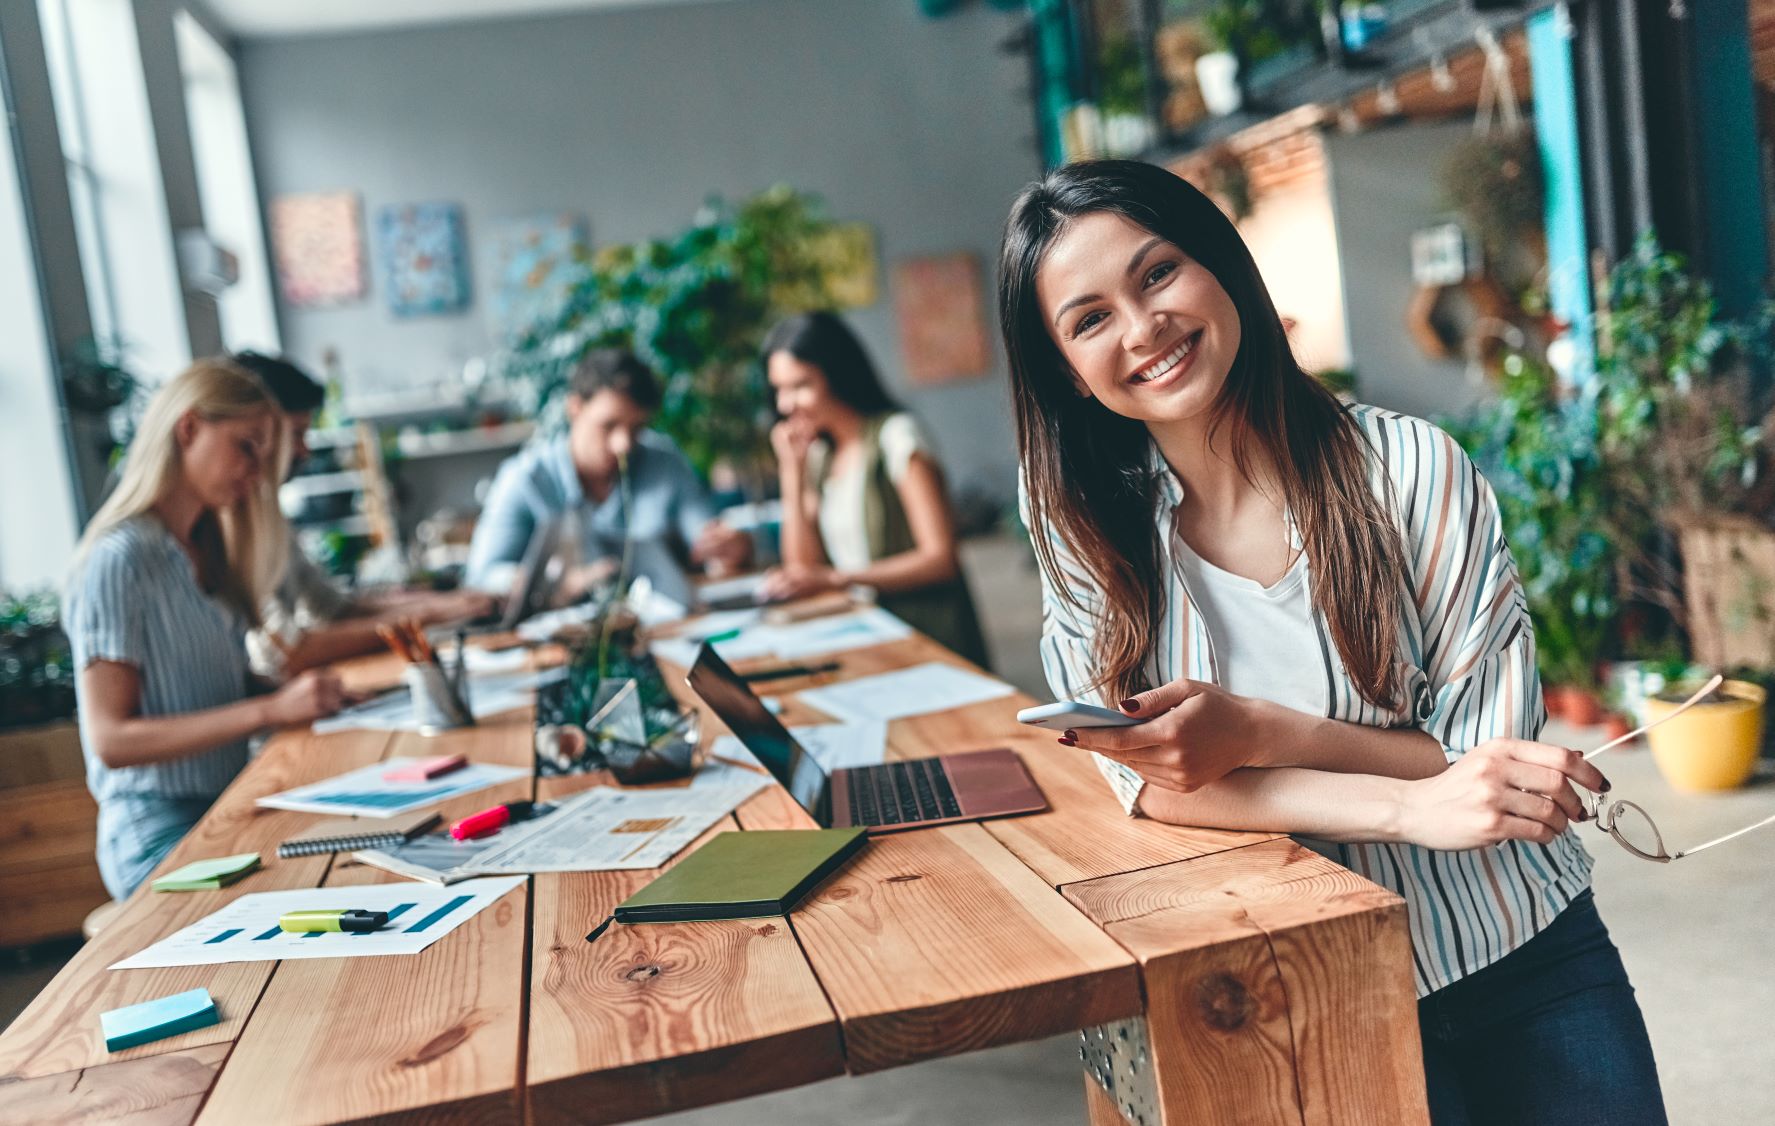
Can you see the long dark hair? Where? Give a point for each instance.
(1088, 470)
(825, 341)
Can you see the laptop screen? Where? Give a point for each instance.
(762, 733)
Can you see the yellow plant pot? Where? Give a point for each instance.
(1712, 746)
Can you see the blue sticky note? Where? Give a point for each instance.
(158, 1019)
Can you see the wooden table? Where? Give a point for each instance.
(1223, 977)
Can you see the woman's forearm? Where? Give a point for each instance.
(801, 542)
(1292, 738)
(335, 641)
(1340, 807)
(909, 570)
(145, 740)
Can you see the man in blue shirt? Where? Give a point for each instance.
(611, 398)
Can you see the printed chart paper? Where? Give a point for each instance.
(365, 793)
(247, 931)
(610, 829)
(919, 690)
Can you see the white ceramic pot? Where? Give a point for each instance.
(1217, 75)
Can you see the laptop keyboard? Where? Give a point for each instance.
(896, 793)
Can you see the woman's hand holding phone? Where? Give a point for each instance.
(1184, 735)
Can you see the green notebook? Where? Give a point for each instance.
(208, 875)
(743, 875)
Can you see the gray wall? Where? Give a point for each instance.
(917, 127)
(1383, 187)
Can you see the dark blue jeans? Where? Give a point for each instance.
(1550, 1033)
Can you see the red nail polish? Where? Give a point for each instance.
(1130, 705)
(1071, 735)
(1065, 742)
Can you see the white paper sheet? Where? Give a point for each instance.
(488, 695)
(744, 586)
(610, 829)
(792, 642)
(365, 793)
(919, 690)
(833, 745)
(247, 931)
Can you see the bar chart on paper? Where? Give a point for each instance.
(247, 930)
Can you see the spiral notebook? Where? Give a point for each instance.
(348, 834)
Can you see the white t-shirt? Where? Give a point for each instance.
(842, 528)
(1265, 645)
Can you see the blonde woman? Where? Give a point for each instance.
(166, 583)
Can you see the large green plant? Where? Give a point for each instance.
(1538, 449)
(36, 666)
(695, 308)
(1683, 409)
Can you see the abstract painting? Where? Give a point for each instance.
(424, 258)
(942, 327)
(847, 253)
(536, 259)
(317, 241)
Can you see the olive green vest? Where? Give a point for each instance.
(944, 612)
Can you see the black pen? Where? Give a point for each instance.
(783, 672)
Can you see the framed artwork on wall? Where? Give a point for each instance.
(536, 259)
(424, 257)
(317, 243)
(942, 325)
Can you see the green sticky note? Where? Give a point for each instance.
(158, 1019)
(207, 875)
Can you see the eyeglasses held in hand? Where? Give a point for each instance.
(1631, 826)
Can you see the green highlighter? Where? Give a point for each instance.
(351, 921)
(208, 875)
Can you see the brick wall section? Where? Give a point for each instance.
(1762, 42)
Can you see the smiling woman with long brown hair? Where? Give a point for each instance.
(1311, 610)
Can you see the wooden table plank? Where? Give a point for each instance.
(163, 1090)
(59, 1031)
(666, 1016)
(1271, 963)
(436, 1035)
(939, 941)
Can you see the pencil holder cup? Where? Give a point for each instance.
(438, 705)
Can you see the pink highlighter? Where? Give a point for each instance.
(425, 769)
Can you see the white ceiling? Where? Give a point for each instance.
(262, 19)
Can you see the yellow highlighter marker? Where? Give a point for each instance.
(352, 921)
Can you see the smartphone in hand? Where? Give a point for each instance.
(1072, 714)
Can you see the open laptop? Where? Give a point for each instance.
(907, 794)
(532, 586)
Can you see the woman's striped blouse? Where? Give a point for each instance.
(135, 600)
(1468, 654)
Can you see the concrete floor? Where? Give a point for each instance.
(1695, 936)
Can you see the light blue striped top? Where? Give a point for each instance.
(1467, 651)
(135, 600)
(666, 499)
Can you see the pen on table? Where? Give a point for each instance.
(783, 672)
(495, 817)
(351, 921)
(724, 635)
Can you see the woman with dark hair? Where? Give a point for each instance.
(863, 497)
(1312, 610)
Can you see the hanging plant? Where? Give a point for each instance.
(1494, 180)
